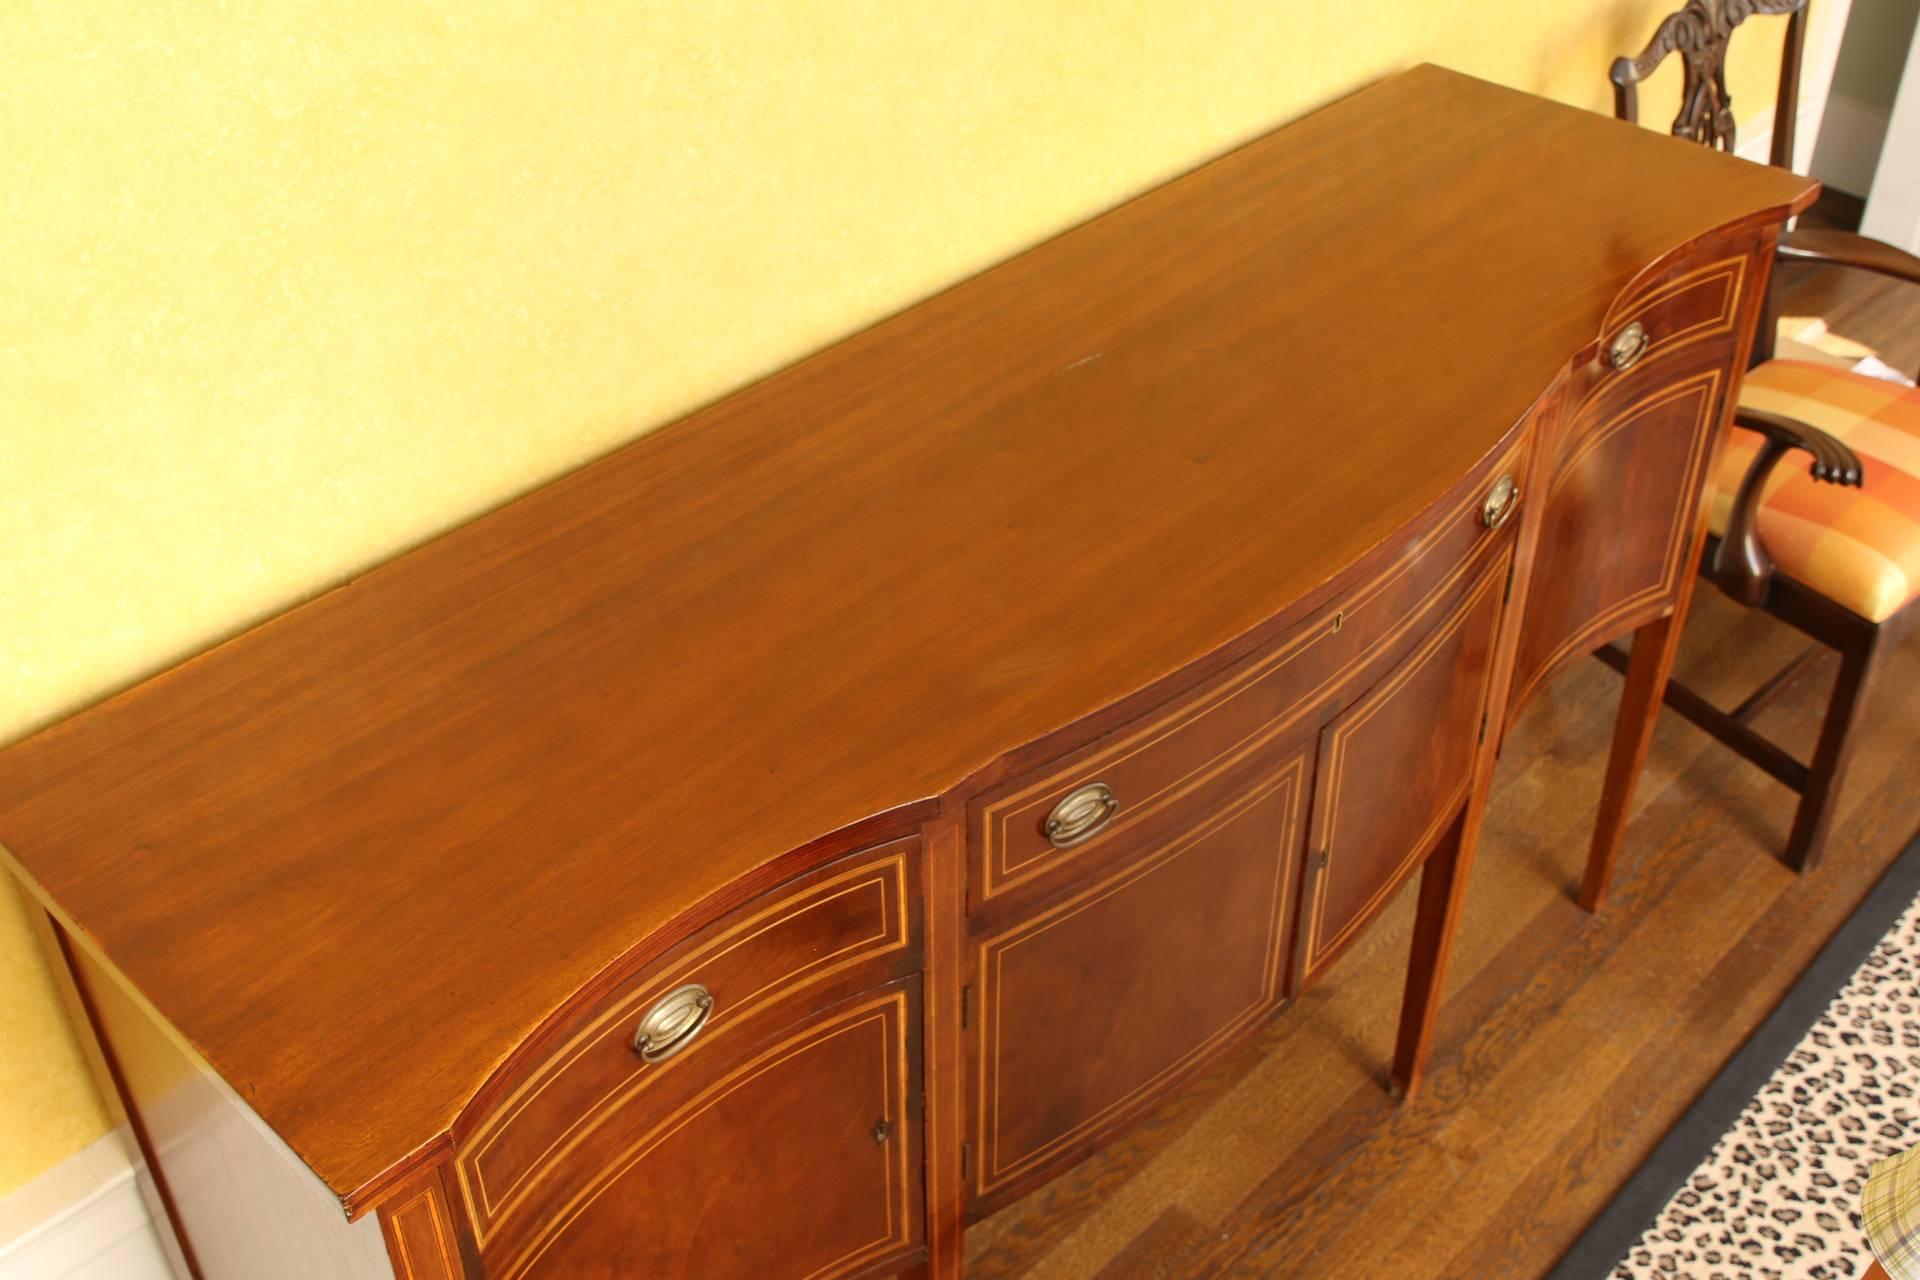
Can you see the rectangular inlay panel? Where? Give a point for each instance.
(1093, 1007)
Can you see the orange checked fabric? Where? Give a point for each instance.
(1857, 547)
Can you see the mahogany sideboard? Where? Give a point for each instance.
(789, 838)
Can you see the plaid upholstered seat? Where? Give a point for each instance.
(1890, 1212)
(1857, 547)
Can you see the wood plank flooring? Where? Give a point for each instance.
(1568, 1044)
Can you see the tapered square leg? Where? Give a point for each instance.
(1441, 887)
(1651, 662)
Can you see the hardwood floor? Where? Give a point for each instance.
(1568, 1044)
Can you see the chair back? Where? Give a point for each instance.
(1700, 33)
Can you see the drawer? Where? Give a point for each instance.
(1679, 309)
(846, 925)
(1126, 777)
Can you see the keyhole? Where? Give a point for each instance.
(880, 1131)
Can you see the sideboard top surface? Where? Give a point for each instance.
(357, 854)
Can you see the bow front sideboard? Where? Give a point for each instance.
(797, 834)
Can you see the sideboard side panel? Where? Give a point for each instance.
(148, 1178)
(242, 1200)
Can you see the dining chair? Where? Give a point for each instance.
(1832, 550)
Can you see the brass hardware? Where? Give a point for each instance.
(881, 1130)
(1082, 814)
(1628, 346)
(673, 1022)
(1339, 620)
(1501, 500)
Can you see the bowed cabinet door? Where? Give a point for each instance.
(797, 1156)
(1623, 495)
(1395, 769)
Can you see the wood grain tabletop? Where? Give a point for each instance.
(356, 854)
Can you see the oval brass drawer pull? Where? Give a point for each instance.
(1629, 345)
(1501, 500)
(673, 1022)
(1082, 814)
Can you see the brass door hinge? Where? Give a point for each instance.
(1513, 567)
(1484, 716)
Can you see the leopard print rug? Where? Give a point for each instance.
(1779, 1197)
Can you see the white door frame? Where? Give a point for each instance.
(1893, 203)
(1817, 61)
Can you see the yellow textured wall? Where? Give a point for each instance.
(293, 285)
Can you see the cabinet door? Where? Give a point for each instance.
(1092, 1006)
(797, 1156)
(1596, 574)
(1395, 768)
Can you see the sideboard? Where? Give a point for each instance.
(801, 832)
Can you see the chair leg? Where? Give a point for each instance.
(1654, 646)
(1815, 814)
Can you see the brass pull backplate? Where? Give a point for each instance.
(673, 1022)
(1628, 346)
(1501, 500)
(1082, 814)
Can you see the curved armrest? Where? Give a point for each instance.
(1741, 566)
(1833, 461)
(1845, 249)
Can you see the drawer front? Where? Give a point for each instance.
(852, 922)
(1155, 762)
(1690, 305)
(794, 1155)
(1094, 1008)
(1394, 770)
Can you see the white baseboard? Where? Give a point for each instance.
(83, 1219)
(1848, 151)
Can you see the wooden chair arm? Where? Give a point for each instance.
(1741, 567)
(1845, 249)
(1833, 461)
